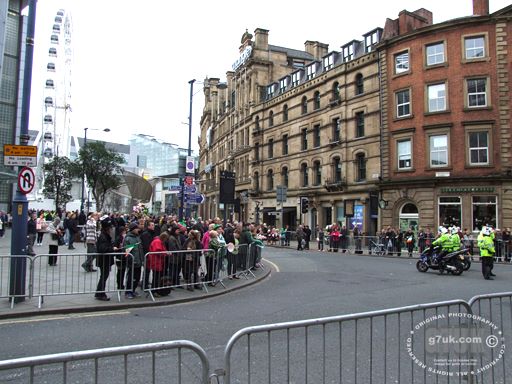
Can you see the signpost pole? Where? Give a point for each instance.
(18, 265)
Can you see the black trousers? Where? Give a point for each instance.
(104, 272)
(487, 265)
(54, 249)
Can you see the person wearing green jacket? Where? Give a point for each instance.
(455, 239)
(486, 245)
(444, 241)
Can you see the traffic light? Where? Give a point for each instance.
(304, 204)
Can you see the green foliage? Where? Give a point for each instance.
(58, 173)
(102, 169)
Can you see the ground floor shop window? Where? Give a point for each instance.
(450, 211)
(485, 211)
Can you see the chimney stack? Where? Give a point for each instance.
(480, 7)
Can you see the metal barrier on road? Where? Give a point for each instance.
(143, 363)
(361, 348)
(399, 345)
(497, 309)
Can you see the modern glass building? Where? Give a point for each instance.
(11, 65)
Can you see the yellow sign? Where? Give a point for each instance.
(22, 155)
(20, 150)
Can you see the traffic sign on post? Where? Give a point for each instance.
(26, 180)
(22, 155)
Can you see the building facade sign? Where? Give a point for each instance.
(467, 189)
(243, 58)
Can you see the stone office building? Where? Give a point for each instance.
(306, 120)
(446, 120)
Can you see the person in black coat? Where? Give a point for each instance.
(104, 259)
(146, 237)
(73, 229)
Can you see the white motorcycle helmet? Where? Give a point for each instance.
(442, 230)
(454, 230)
(486, 231)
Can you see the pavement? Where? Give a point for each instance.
(85, 302)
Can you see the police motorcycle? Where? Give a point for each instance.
(466, 263)
(452, 262)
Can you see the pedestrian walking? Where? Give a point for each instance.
(41, 227)
(56, 230)
(73, 230)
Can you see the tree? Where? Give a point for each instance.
(58, 175)
(102, 169)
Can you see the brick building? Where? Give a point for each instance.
(446, 134)
(408, 127)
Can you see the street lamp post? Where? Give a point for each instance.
(82, 200)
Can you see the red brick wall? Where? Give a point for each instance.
(454, 72)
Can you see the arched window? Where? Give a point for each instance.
(304, 104)
(270, 180)
(317, 169)
(409, 208)
(48, 102)
(359, 84)
(409, 217)
(304, 174)
(284, 176)
(336, 96)
(271, 119)
(317, 100)
(360, 167)
(285, 112)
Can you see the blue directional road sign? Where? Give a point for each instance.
(195, 198)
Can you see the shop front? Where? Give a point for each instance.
(468, 207)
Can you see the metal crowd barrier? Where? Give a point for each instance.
(496, 308)
(196, 269)
(383, 346)
(9, 273)
(359, 348)
(66, 276)
(180, 361)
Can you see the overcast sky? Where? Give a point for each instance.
(133, 59)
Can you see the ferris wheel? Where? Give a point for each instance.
(54, 139)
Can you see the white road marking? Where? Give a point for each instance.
(62, 317)
(273, 264)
